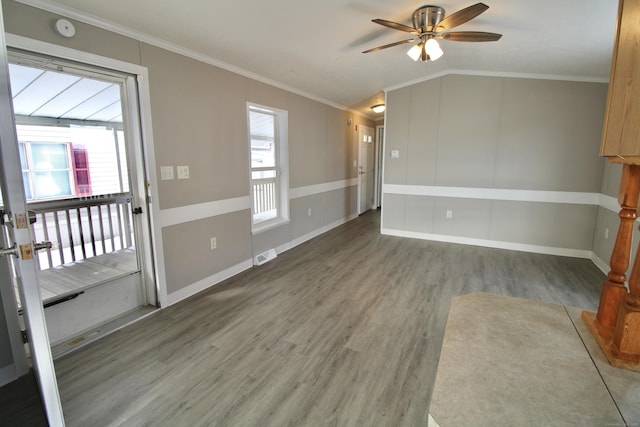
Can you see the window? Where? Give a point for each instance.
(46, 170)
(269, 167)
(53, 167)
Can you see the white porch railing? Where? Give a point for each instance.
(82, 228)
(264, 195)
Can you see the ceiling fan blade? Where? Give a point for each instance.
(461, 16)
(396, 26)
(389, 45)
(469, 36)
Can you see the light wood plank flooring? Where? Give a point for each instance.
(344, 330)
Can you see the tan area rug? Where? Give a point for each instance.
(509, 361)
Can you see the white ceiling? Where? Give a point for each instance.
(42, 93)
(315, 47)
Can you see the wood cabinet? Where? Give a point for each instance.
(621, 135)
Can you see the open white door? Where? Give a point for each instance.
(83, 172)
(18, 244)
(81, 177)
(377, 192)
(365, 168)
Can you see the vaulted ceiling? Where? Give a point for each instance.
(315, 47)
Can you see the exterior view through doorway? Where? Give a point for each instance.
(84, 183)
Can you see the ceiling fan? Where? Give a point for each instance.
(430, 23)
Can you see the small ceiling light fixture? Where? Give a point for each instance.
(415, 52)
(433, 49)
(426, 50)
(379, 108)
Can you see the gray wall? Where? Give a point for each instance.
(608, 219)
(200, 120)
(494, 133)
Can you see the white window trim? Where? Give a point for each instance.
(282, 136)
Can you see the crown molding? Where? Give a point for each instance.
(122, 30)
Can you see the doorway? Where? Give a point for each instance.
(377, 199)
(366, 166)
(83, 179)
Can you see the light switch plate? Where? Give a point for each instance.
(166, 173)
(395, 154)
(183, 172)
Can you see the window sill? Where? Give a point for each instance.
(268, 225)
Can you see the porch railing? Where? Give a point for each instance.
(264, 195)
(82, 228)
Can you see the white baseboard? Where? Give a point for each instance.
(315, 233)
(549, 250)
(210, 281)
(213, 280)
(600, 263)
(7, 374)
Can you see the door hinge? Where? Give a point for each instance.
(25, 337)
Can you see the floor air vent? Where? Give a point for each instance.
(265, 257)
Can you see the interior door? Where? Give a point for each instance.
(377, 192)
(365, 169)
(83, 178)
(18, 265)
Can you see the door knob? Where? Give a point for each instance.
(9, 251)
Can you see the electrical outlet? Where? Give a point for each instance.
(309, 212)
(606, 233)
(449, 214)
(214, 243)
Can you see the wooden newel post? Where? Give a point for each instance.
(614, 290)
(626, 341)
(616, 326)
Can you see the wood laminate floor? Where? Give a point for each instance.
(344, 330)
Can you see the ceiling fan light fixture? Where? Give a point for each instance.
(379, 108)
(433, 49)
(415, 52)
(430, 23)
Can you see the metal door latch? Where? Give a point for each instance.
(42, 245)
(9, 251)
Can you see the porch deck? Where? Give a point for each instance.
(67, 279)
(57, 282)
